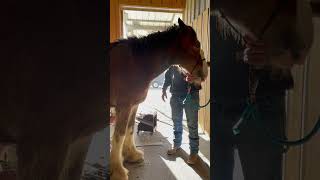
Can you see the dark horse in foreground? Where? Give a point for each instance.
(135, 62)
(53, 84)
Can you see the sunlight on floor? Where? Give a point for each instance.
(180, 172)
(158, 165)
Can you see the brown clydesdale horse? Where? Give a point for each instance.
(135, 62)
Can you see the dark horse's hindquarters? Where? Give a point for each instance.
(53, 83)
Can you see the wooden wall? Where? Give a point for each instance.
(193, 8)
(303, 109)
(197, 15)
(117, 5)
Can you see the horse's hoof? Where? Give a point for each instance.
(134, 157)
(119, 173)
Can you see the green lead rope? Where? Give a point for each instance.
(251, 112)
(189, 98)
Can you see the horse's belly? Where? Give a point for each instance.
(127, 90)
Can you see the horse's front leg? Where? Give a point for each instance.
(130, 152)
(117, 170)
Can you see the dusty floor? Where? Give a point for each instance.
(158, 165)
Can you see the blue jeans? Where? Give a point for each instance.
(191, 110)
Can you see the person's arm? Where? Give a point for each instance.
(167, 79)
(167, 82)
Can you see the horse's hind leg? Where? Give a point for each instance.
(41, 160)
(117, 170)
(130, 152)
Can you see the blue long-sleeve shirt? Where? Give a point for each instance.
(176, 80)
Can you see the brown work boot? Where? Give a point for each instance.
(193, 158)
(173, 150)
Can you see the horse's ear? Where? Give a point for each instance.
(181, 23)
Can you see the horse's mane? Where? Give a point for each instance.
(225, 30)
(151, 42)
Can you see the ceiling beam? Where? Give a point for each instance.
(146, 20)
(153, 28)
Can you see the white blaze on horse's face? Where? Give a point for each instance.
(290, 33)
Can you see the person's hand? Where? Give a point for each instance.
(190, 78)
(255, 52)
(164, 96)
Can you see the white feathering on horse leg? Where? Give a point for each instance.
(130, 152)
(118, 171)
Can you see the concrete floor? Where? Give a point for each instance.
(158, 165)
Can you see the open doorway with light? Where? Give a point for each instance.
(155, 143)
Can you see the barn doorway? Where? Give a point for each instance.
(141, 23)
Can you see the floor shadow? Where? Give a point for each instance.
(159, 165)
(201, 167)
(204, 144)
(153, 166)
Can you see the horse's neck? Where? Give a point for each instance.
(156, 62)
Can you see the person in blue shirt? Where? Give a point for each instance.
(181, 83)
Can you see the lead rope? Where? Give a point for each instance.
(189, 96)
(189, 99)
